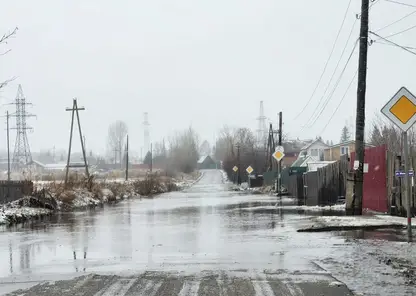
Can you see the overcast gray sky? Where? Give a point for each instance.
(190, 62)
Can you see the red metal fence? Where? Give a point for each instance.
(375, 180)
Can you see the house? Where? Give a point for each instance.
(335, 152)
(292, 149)
(206, 162)
(315, 149)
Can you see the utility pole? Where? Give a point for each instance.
(75, 111)
(151, 157)
(127, 158)
(357, 201)
(8, 150)
(279, 163)
(238, 165)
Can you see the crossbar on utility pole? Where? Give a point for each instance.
(357, 201)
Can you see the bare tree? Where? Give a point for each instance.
(386, 133)
(183, 151)
(117, 132)
(250, 154)
(4, 40)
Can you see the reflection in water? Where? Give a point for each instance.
(10, 256)
(24, 249)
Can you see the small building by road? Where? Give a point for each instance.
(206, 163)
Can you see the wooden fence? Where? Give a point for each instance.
(396, 197)
(326, 186)
(13, 190)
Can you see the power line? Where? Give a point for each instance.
(403, 31)
(327, 61)
(395, 22)
(336, 85)
(333, 75)
(393, 43)
(400, 3)
(339, 104)
(389, 44)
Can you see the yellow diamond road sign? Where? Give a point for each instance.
(278, 155)
(249, 169)
(401, 109)
(235, 169)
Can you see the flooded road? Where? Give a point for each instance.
(197, 242)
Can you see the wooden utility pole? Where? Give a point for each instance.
(279, 163)
(151, 157)
(127, 158)
(8, 149)
(238, 165)
(74, 110)
(357, 201)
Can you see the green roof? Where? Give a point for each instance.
(298, 162)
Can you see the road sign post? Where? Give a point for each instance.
(401, 110)
(249, 169)
(235, 169)
(278, 154)
(407, 184)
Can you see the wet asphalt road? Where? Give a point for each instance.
(202, 241)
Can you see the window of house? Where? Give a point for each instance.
(344, 150)
(314, 152)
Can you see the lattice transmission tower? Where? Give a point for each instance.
(146, 132)
(21, 156)
(261, 128)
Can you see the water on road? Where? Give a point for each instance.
(201, 241)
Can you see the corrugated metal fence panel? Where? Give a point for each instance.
(375, 181)
(285, 176)
(269, 178)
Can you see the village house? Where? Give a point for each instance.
(335, 152)
(315, 149)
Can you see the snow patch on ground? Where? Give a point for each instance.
(107, 194)
(225, 177)
(11, 215)
(360, 220)
(340, 207)
(84, 199)
(333, 223)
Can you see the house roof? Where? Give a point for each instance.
(298, 162)
(202, 158)
(306, 147)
